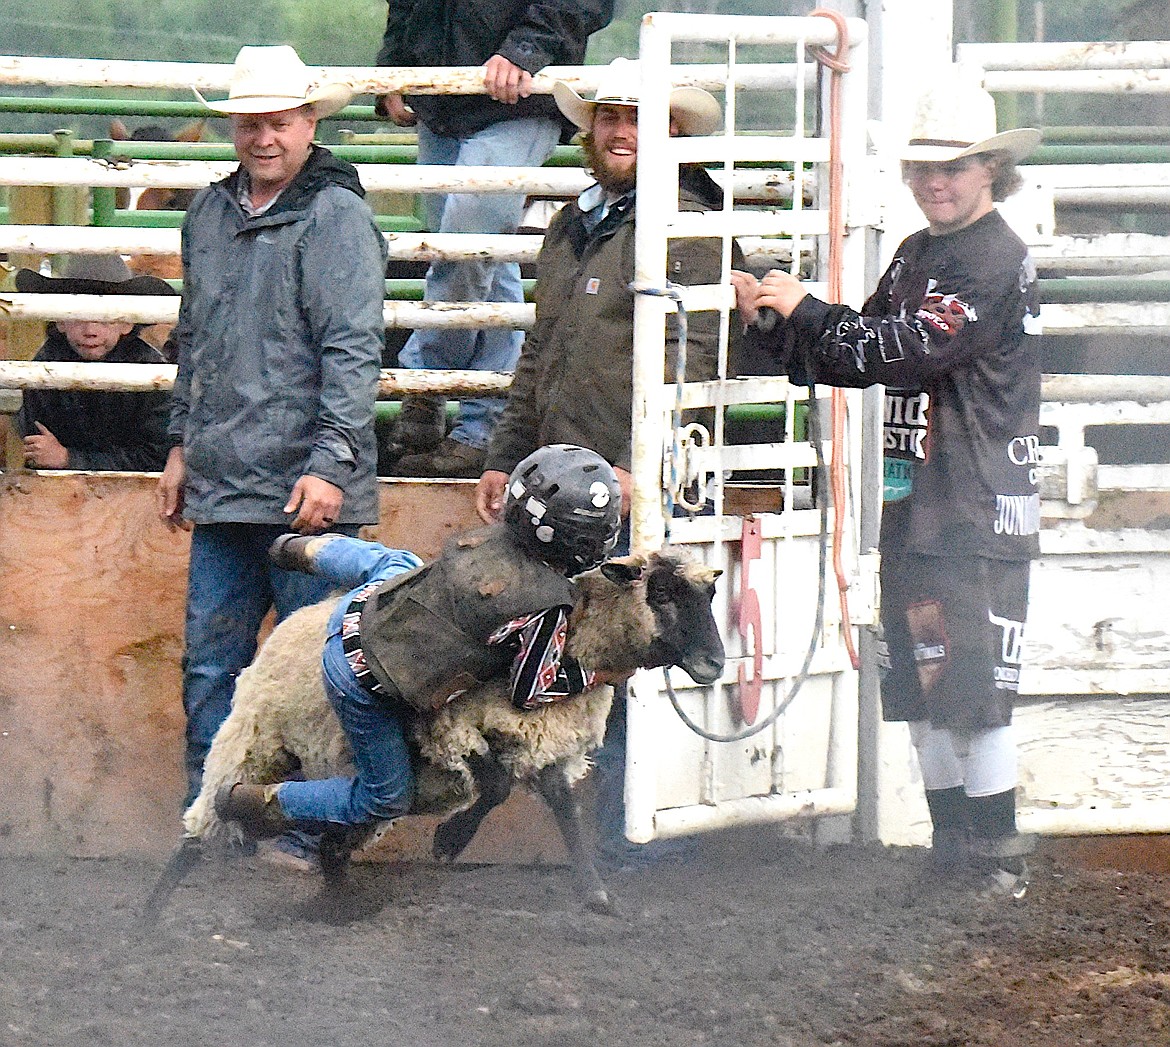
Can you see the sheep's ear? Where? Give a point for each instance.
(621, 572)
(119, 132)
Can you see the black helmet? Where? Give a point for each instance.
(564, 505)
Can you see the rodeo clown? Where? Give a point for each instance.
(410, 636)
(945, 334)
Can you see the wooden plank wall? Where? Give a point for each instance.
(92, 592)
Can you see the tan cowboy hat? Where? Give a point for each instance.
(957, 118)
(91, 274)
(274, 79)
(694, 110)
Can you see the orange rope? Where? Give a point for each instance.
(837, 65)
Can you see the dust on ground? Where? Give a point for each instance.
(760, 938)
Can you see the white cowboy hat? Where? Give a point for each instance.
(694, 110)
(274, 79)
(958, 119)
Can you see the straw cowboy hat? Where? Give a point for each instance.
(91, 274)
(957, 119)
(694, 110)
(274, 79)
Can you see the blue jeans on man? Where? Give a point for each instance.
(384, 785)
(511, 143)
(231, 585)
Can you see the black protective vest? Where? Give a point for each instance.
(425, 633)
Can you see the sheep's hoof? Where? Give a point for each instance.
(450, 841)
(598, 901)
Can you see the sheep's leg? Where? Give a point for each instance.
(339, 902)
(335, 849)
(183, 859)
(493, 782)
(558, 794)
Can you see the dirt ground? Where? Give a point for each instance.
(759, 938)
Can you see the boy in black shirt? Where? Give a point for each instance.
(945, 334)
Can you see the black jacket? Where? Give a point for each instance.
(102, 431)
(529, 33)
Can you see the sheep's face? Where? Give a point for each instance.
(679, 594)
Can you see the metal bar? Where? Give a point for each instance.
(1080, 81)
(147, 309)
(1098, 388)
(140, 378)
(1096, 820)
(1130, 153)
(181, 76)
(753, 810)
(137, 107)
(1130, 135)
(1104, 289)
(415, 247)
(178, 174)
(1074, 56)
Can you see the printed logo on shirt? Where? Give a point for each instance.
(904, 426)
(946, 313)
(1007, 675)
(592, 285)
(928, 631)
(1017, 514)
(1025, 450)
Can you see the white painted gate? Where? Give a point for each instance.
(804, 762)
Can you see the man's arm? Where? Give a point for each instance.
(555, 32)
(399, 14)
(517, 431)
(342, 262)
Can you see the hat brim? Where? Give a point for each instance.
(29, 281)
(325, 100)
(1017, 143)
(695, 111)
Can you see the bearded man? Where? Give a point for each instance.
(574, 381)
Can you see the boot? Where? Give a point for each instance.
(297, 552)
(450, 458)
(422, 423)
(950, 842)
(254, 807)
(997, 848)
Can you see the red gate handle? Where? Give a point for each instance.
(747, 703)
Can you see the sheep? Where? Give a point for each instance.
(632, 612)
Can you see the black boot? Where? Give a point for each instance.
(254, 807)
(296, 552)
(998, 849)
(950, 844)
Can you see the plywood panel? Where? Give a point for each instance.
(92, 593)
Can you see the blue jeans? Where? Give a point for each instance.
(511, 143)
(230, 587)
(384, 785)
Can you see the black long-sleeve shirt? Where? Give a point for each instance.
(101, 430)
(945, 334)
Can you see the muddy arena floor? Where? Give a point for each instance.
(758, 939)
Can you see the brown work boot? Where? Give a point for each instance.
(450, 459)
(297, 552)
(254, 807)
(422, 423)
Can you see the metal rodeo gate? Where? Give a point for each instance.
(795, 581)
